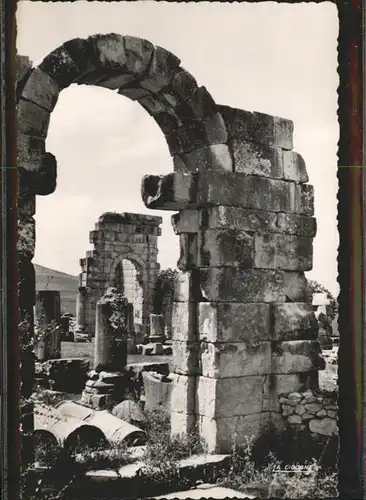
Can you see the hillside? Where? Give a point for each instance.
(66, 284)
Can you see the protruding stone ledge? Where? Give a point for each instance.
(292, 317)
(296, 356)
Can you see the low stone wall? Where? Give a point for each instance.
(313, 411)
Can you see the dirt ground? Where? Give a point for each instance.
(86, 350)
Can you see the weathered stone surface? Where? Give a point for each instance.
(284, 384)
(216, 156)
(230, 396)
(186, 221)
(234, 322)
(225, 247)
(289, 317)
(23, 66)
(41, 89)
(163, 66)
(30, 151)
(32, 119)
(186, 358)
(295, 419)
(237, 359)
(186, 286)
(299, 225)
(184, 84)
(215, 130)
(184, 322)
(241, 219)
(158, 391)
(294, 168)
(60, 67)
(168, 192)
(26, 237)
(46, 177)
(273, 130)
(248, 191)
(325, 426)
(188, 246)
(244, 285)
(257, 159)
(296, 288)
(221, 433)
(183, 394)
(181, 423)
(296, 356)
(303, 199)
(239, 123)
(275, 251)
(138, 54)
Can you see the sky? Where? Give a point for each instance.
(274, 58)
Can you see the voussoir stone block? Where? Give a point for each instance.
(294, 168)
(234, 322)
(239, 123)
(298, 225)
(60, 66)
(242, 285)
(228, 397)
(41, 89)
(164, 65)
(183, 84)
(220, 434)
(183, 393)
(257, 159)
(186, 358)
(235, 359)
(32, 119)
(296, 356)
(225, 247)
(279, 251)
(216, 156)
(138, 54)
(289, 317)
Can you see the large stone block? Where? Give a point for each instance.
(216, 156)
(221, 434)
(303, 199)
(293, 382)
(230, 396)
(278, 251)
(234, 322)
(168, 192)
(41, 89)
(188, 246)
(292, 317)
(273, 130)
(32, 119)
(225, 247)
(257, 159)
(186, 221)
(184, 322)
(242, 285)
(138, 54)
(240, 219)
(294, 168)
(296, 356)
(186, 287)
(26, 237)
(183, 394)
(30, 151)
(299, 225)
(235, 359)
(183, 85)
(239, 123)
(186, 358)
(163, 66)
(296, 288)
(181, 423)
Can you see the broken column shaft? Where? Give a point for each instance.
(48, 320)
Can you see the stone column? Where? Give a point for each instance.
(243, 325)
(156, 328)
(107, 382)
(80, 309)
(48, 305)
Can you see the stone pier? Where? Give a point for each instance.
(48, 321)
(243, 324)
(107, 381)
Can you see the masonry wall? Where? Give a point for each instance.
(244, 330)
(130, 241)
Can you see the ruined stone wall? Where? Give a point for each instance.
(130, 241)
(315, 412)
(244, 330)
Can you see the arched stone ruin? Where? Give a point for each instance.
(242, 326)
(124, 256)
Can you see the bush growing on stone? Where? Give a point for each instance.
(164, 285)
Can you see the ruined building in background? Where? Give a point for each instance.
(243, 325)
(125, 257)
